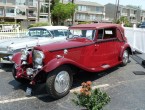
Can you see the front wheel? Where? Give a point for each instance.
(125, 58)
(59, 82)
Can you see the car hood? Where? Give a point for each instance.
(18, 43)
(67, 44)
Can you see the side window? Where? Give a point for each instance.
(57, 33)
(66, 32)
(61, 32)
(109, 33)
(90, 34)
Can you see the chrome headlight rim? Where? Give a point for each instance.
(24, 54)
(39, 56)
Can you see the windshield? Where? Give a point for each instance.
(89, 34)
(39, 33)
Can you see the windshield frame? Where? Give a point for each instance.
(92, 37)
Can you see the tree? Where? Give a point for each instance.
(53, 3)
(60, 12)
(123, 20)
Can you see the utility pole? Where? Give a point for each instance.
(38, 10)
(73, 16)
(117, 9)
(49, 14)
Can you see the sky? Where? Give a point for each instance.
(140, 3)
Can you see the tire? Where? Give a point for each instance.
(20, 80)
(125, 58)
(55, 82)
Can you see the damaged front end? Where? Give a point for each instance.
(28, 65)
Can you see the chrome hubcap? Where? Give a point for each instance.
(125, 57)
(62, 82)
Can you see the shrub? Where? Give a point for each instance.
(85, 22)
(38, 24)
(91, 99)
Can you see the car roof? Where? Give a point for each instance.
(51, 27)
(95, 26)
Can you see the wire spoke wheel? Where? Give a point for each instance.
(61, 83)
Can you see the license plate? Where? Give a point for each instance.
(28, 91)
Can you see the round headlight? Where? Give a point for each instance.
(24, 54)
(39, 57)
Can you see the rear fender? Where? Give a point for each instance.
(51, 65)
(125, 47)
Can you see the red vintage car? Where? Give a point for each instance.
(89, 47)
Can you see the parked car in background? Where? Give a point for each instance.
(89, 47)
(142, 25)
(35, 36)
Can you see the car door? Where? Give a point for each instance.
(105, 50)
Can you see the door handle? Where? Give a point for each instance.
(96, 46)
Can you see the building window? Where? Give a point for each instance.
(92, 17)
(124, 11)
(99, 17)
(21, 2)
(82, 8)
(1, 11)
(99, 9)
(81, 16)
(31, 13)
(20, 11)
(135, 12)
(44, 8)
(3, 1)
(33, 3)
(10, 12)
(11, 1)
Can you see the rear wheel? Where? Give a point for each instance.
(59, 82)
(125, 58)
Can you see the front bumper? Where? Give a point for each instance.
(5, 58)
(21, 72)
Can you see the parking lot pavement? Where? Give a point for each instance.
(124, 87)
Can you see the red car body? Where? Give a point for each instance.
(93, 55)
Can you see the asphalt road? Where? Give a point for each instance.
(126, 89)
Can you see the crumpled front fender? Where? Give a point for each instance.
(17, 58)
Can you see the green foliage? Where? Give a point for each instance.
(38, 24)
(53, 3)
(8, 23)
(123, 20)
(91, 99)
(85, 22)
(61, 12)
